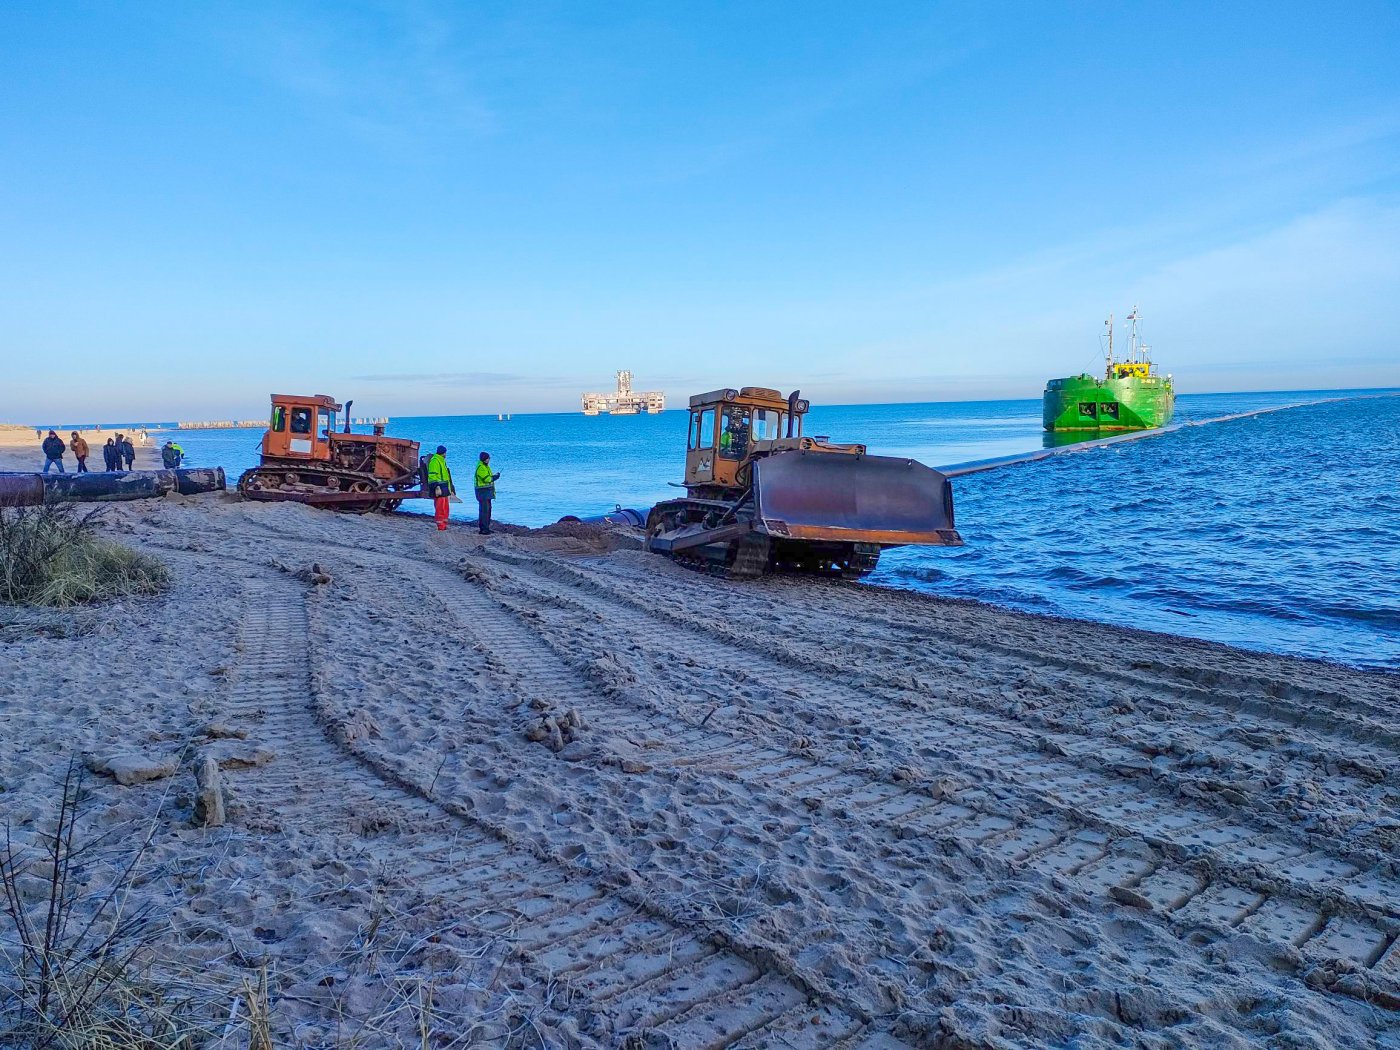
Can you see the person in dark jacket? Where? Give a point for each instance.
(109, 456)
(128, 452)
(53, 452)
(171, 455)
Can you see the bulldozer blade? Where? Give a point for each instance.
(805, 495)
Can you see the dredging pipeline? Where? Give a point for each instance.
(21, 490)
(977, 466)
(619, 516)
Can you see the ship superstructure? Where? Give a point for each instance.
(624, 401)
(1130, 396)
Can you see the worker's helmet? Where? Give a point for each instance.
(442, 450)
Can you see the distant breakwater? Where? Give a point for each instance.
(220, 424)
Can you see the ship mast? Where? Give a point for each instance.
(1108, 369)
(1134, 348)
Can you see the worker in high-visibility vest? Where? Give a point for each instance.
(485, 493)
(439, 485)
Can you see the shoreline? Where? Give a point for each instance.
(617, 796)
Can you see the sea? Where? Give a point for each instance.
(1277, 532)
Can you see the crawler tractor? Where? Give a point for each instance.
(761, 495)
(305, 460)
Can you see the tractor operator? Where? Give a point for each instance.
(485, 493)
(440, 485)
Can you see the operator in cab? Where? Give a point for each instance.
(439, 485)
(485, 493)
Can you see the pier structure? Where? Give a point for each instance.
(624, 401)
(220, 424)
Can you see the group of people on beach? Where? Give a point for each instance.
(118, 454)
(437, 479)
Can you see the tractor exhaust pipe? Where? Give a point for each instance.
(792, 410)
(347, 415)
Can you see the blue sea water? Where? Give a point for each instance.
(1278, 532)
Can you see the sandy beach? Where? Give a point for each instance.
(547, 790)
(20, 451)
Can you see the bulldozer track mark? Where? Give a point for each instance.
(1085, 844)
(1289, 704)
(566, 927)
(1184, 903)
(1295, 697)
(1070, 741)
(1296, 717)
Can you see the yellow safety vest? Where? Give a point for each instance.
(438, 471)
(483, 476)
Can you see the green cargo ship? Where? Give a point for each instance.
(1130, 396)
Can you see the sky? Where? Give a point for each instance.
(481, 207)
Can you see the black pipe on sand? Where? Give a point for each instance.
(18, 490)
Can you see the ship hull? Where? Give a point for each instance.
(1127, 403)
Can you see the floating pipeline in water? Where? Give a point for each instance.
(20, 490)
(958, 470)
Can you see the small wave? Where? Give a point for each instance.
(1362, 614)
(1078, 578)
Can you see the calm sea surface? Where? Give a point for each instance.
(1278, 532)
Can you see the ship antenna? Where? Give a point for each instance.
(1133, 344)
(1108, 369)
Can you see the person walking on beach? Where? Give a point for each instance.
(485, 493)
(128, 451)
(109, 456)
(79, 446)
(439, 483)
(53, 452)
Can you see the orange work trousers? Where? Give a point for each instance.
(440, 506)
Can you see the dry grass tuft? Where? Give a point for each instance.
(52, 555)
(75, 956)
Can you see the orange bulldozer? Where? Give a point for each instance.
(306, 460)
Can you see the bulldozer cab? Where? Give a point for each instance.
(730, 428)
(300, 427)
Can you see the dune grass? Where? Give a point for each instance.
(52, 555)
(74, 957)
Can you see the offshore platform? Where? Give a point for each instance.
(624, 401)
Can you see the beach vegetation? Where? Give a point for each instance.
(53, 555)
(76, 953)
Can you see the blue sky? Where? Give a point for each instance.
(482, 207)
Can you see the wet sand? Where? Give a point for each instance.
(584, 795)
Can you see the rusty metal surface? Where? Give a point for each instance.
(691, 536)
(327, 496)
(858, 499)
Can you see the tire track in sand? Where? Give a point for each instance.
(1284, 709)
(616, 966)
(1173, 860)
(1363, 848)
